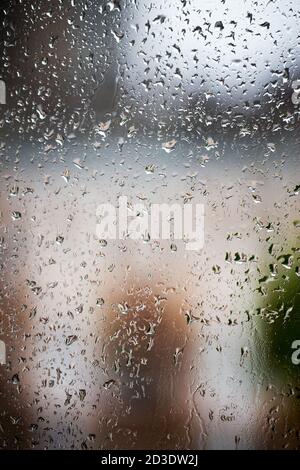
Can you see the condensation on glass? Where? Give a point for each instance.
(140, 343)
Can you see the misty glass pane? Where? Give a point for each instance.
(150, 225)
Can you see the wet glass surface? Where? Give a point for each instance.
(122, 343)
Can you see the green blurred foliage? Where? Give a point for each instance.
(280, 315)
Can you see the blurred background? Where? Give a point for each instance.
(120, 344)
